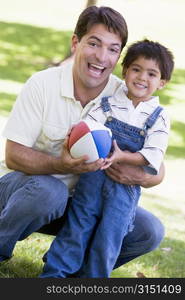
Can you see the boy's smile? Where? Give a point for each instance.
(143, 78)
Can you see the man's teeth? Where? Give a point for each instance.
(97, 67)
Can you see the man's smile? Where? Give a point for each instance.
(95, 69)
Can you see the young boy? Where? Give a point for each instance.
(92, 236)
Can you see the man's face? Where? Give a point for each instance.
(95, 57)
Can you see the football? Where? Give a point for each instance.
(90, 138)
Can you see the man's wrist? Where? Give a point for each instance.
(56, 165)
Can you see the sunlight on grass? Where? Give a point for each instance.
(10, 86)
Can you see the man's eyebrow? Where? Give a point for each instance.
(99, 40)
(94, 37)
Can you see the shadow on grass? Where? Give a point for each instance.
(23, 267)
(26, 49)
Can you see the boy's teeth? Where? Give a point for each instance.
(140, 85)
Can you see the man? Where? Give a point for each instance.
(50, 103)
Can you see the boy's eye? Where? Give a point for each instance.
(152, 74)
(135, 69)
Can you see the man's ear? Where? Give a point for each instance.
(162, 84)
(74, 43)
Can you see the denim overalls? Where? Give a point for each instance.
(100, 214)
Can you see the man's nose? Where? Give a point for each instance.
(101, 54)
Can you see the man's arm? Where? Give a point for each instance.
(30, 161)
(127, 174)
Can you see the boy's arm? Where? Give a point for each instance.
(134, 159)
(126, 157)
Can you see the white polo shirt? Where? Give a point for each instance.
(156, 140)
(46, 109)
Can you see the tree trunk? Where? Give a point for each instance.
(91, 3)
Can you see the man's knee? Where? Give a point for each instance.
(150, 229)
(155, 232)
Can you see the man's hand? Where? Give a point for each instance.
(127, 174)
(65, 164)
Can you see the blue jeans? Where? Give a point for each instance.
(26, 204)
(37, 203)
(98, 218)
(147, 234)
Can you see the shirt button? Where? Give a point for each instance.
(109, 119)
(142, 132)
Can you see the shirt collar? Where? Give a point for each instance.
(67, 87)
(112, 85)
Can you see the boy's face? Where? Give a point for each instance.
(143, 78)
(96, 55)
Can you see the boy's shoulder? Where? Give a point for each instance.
(153, 103)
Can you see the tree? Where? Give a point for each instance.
(91, 2)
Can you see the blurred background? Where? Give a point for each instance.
(34, 35)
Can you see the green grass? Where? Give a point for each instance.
(26, 49)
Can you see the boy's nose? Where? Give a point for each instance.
(142, 76)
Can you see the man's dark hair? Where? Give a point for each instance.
(112, 19)
(150, 50)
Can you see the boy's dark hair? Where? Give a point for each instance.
(150, 50)
(112, 19)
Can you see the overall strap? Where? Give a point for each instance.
(153, 117)
(105, 105)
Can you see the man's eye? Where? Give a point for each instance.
(135, 69)
(114, 50)
(92, 44)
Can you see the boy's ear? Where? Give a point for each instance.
(74, 43)
(163, 82)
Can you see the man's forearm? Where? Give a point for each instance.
(151, 180)
(139, 176)
(28, 160)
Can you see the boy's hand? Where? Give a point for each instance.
(115, 156)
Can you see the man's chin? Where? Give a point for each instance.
(97, 83)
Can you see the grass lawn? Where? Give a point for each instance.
(25, 49)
